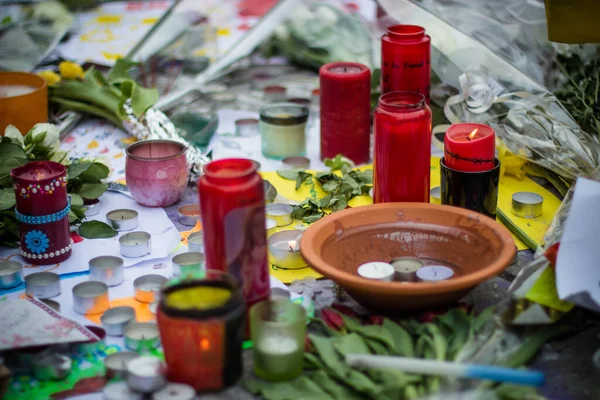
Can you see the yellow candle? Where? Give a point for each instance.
(198, 297)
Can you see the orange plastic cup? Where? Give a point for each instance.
(19, 106)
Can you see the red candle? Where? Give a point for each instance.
(42, 210)
(470, 147)
(233, 220)
(345, 110)
(402, 148)
(405, 60)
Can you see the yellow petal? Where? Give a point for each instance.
(51, 77)
(70, 70)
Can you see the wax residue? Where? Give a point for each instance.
(198, 298)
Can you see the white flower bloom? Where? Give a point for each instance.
(52, 134)
(13, 133)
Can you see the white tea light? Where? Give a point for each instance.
(186, 263)
(11, 274)
(135, 244)
(141, 336)
(123, 219)
(377, 270)
(270, 226)
(434, 273)
(146, 374)
(116, 363)
(406, 268)
(147, 287)
(280, 213)
(42, 285)
(196, 242)
(90, 297)
(107, 269)
(175, 391)
(114, 320)
(284, 249)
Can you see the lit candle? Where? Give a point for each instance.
(434, 273)
(284, 249)
(377, 270)
(470, 147)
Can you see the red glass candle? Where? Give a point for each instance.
(402, 148)
(42, 211)
(233, 219)
(345, 110)
(470, 147)
(405, 60)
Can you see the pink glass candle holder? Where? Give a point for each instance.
(156, 172)
(42, 210)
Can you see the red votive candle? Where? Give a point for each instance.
(42, 210)
(470, 147)
(405, 60)
(345, 110)
(402, 148)
(233, 220)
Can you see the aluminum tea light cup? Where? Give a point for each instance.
(280, 213)
(527, 204)
(246, 127)
(196, 242)
(11, 274)
(141, 336)
(135, 244)
(406, 268)
(189, 214)
(284, 249)
(91, 346)
(146, 374)
(90, 298)
(295, 162)
(175, 391)
(115, 364)
(114, 320)
(42, 285)
(107, 269)
(51, 367)
(186, 263)
(123, 219)
(270, 226)
(270, 192)
(147, 287)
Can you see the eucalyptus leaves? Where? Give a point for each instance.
(340, 188)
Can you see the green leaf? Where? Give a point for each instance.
(141, 98)
(120, 71)
(96, 229)
(11, 150)
(95, 173)
(403, 341)
(340, 205)
(288, 174)
(346, 168)
(350, 344)
(324, 347)
(76, 169)
(298, 212)
(92, 191)
(377, 332)
(302, 176)
(365, 176)
(76, 200)
(7, 165)
(329, 186)
(349, 180)
(312, 218)
(377, 347)
(333, 388)
(375, 79)
(312, 362)
(7, 198)
(338, 162)
(323, 177)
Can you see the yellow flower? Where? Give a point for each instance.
(70, 70)
(51, 77)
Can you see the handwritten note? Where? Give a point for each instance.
(28, 322)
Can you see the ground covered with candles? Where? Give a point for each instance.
(286, 200)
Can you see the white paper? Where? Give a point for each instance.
(577, 272)
(27, 323)
(165, 238)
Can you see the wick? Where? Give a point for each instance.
(345, 70)
(291, 248)
(468, 138)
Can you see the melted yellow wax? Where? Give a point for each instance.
(198, 298)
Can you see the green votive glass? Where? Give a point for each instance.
(278, 329)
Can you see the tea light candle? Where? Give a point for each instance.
(284, 249)
(196, 242)
(435, 195)
(107, 269)
(90, 297)
(141, 336)
(246, 127)
(145, 374)
(296, 162)
(175, 391)
(187, 263)
(120, 391)
(114, 320)
(11, 274)
(189, 214)
(42, 285)
(123, 219)
(470, 147)
(434, 273)
(280, 213)
(270, 192)
(377, 270)
(527, 204)
(116, 363)
(270, 226)
(274, 93)
(282, 129)
(406, 268)
(92, 207)
(147, 287)
(51, 366)
(135, 244)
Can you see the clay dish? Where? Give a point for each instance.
(475, 246)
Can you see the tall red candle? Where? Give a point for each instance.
(345, 110)
(406, 60)
(470, 147)
(42, 209)
(402, 148)
(233, 220)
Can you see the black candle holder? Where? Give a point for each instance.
(477, 191)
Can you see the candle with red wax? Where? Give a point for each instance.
(345, 110)
(470, 147)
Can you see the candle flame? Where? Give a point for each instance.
(205, 344)
(472, 134)
(293, 245)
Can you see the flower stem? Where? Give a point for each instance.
(86, 108)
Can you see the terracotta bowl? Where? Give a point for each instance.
(475, 246)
